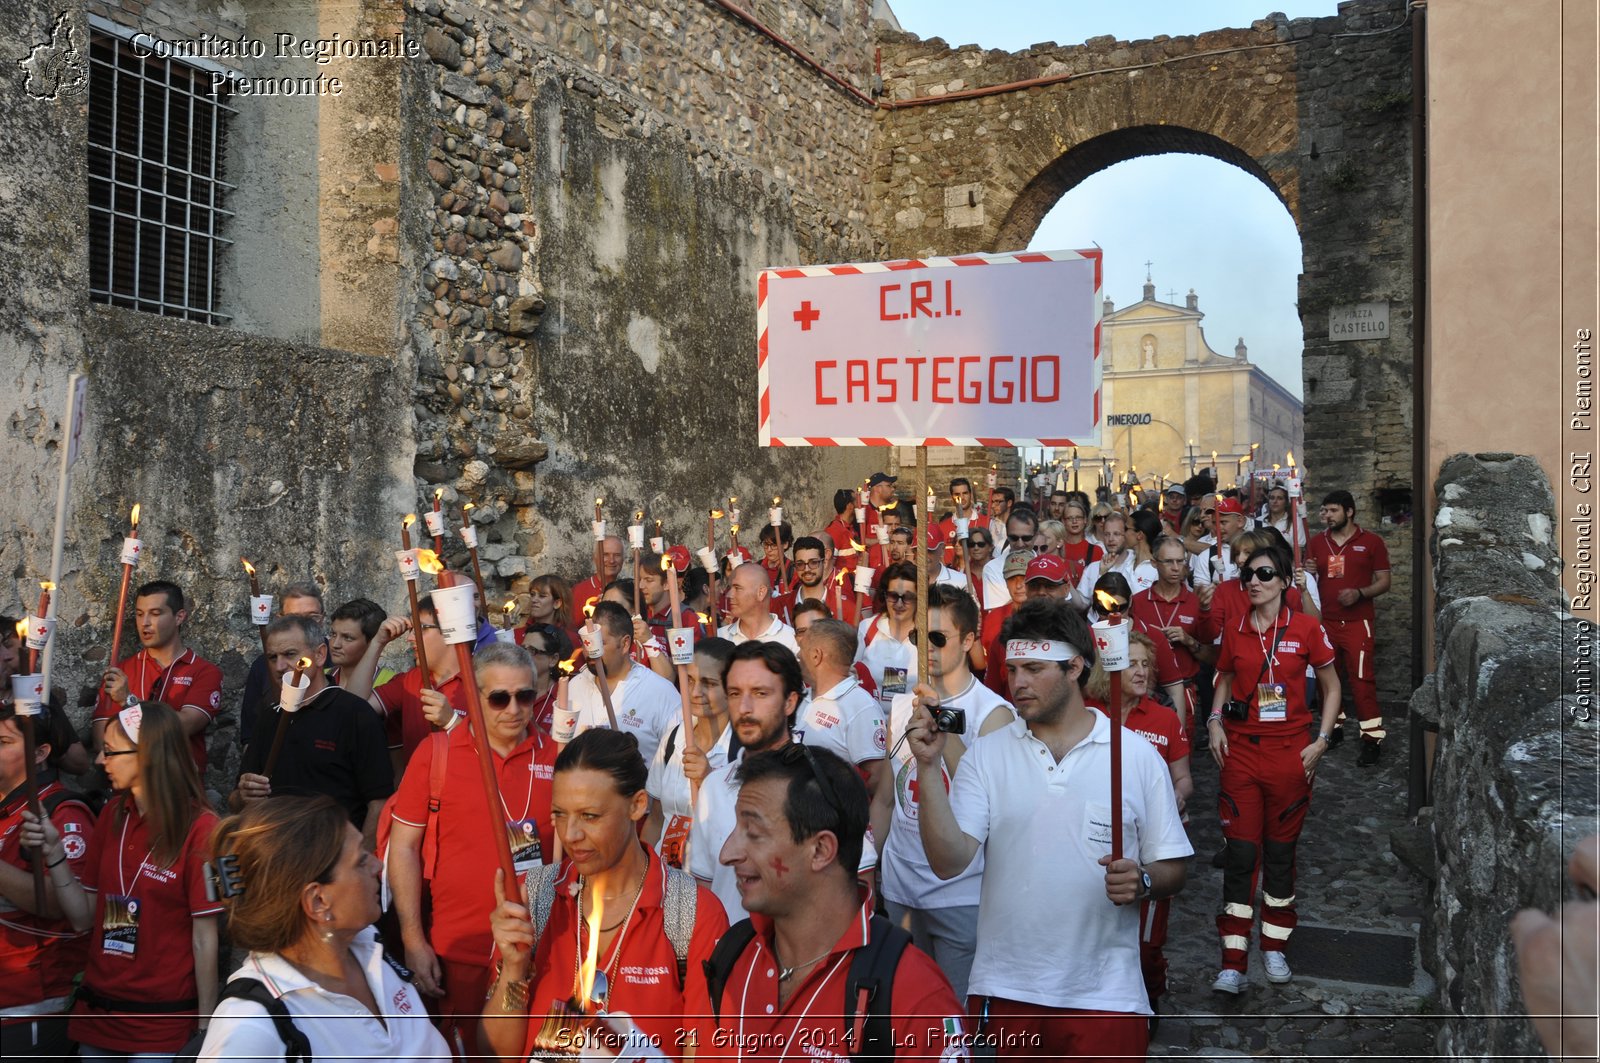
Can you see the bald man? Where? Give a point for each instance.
(750, 605)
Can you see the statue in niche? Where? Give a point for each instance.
(1147, 352)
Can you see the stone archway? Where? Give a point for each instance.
(976, 146)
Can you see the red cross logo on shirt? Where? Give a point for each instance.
(911, 788)
(806, 315)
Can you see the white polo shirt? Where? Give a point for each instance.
(891, 662)
(846, 720)
(335, 1025)
(646, 705)
(907, 878)
(714, 820)
(670, 786)
(777, 631)
(1047, 934)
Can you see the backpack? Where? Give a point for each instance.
(678, 908)
(869, 985)
(296, 1049)
(438, 764)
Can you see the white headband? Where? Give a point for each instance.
(130, 718)
(1040, 650)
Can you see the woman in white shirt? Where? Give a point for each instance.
(674, 768)
(302, 895)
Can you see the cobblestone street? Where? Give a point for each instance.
(1348, 879)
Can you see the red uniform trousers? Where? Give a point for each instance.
(1152, 937)
(1033, 1031)
(1262, 803)
(458, 1011)
(1354, 646)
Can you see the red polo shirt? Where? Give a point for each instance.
(843, 536)
(1244, 653)
(1349, 567)
(463, 879)
(1158, 725)
(1229, 602)
(660, 622)
(403, 720)
(188, 682)
(153, 959)
(926, 1019)
(1078, 556)
(589, 588)
(640, 965)
(1152, 614)
(40, 957)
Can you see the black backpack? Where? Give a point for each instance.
(296, 1049)
(869, 985)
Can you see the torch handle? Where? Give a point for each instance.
(116, 628)
(416, 636)
(277, 743)
(30, 745)
(1116, 764)
(636, 581)
(604, 684)
(491, 787)
(483, 594)
(922, 567)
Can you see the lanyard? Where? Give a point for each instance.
(163, 679)
(122, 867)
(527, 801)
(745, 997)
(1177, 604)
(1270, 657)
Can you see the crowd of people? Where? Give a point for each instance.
(791, 841)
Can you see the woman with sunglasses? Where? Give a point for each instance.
(153, 952)
(612, 897)
(1261, 736)
(302, 898)
(439, 854)
(887, 641)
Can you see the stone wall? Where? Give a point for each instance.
(1514, 788)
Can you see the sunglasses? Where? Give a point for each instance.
(979, 544)
(499, 699)
(936, 639)
(1208, 512)
(1018, 538)
(900, 599)
(1262, 574)
(795, 752)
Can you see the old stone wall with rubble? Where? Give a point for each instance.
(1514, 787)
(1317, 109)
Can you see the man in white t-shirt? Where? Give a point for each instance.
(750, 605)
(1058, 926)
(1219, 565)
(1118, 558)
(646, 705)
(1022, 533)
(838, 714)
(942, 915)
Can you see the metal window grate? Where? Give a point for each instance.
(156, 193)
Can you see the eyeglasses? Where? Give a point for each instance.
(815, 562)
(109, 753)
(499, 699)
(936, 639)
(1262, 574)
(793, 753)
(430, 627)
(1208, 512)
(898, 598)
(979, 544)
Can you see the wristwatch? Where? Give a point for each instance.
(1146, 887)
(1327, 739)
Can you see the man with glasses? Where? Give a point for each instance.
(837, 713)
(1173, 503)
(815, 580)
(1035, 798)
(764, 687)
(749, 603)
(789, 975)
(334, 744)
(1001, 502)
(646, 704)
(942, 915)
(1022, 533)
(437, 848)
(1169, 612)
(409, 706)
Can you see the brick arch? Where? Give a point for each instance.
(1084, 160)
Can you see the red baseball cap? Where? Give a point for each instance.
(1047, 567)
(933, 539)
(1228, 504)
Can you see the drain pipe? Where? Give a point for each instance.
(1422, 737)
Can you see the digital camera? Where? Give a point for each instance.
(950, 721)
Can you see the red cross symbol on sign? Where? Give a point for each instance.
(678, 642)
(137, 547)
(806, 315)
(42, 631)
(261, 607)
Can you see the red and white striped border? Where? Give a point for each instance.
(856, 268)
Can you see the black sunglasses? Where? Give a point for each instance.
(499, 699)
(793, 753)
(978, 544)
(937, 639)
(1262, 573)
(898, 598)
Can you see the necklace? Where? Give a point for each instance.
(616, 947)
(786, 973)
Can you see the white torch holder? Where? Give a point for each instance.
(564, 725)
(1111, 640)
(435, 522)
(593, 646)
(292, 695)
(27, 694)
(864, 579)
(658, 544)
(469, 536)
(708, 559)
(131, 548)
(599, 527)
(407, 562)
(40, 628)
(261, 609)
(680, 644)
(457, 610)
(636, 536)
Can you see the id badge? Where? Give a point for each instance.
(119, 930)
(526, 853)
(1336, 566)
(675, 841)
(1271, 706)
(894, 682)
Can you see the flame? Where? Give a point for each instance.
(734, 528)
(838, 577)
(638, 516)
(1253, 447)
(429, 562)
(776, 500)
(438, 493)
(887, 506)
(666, 563)
(46, 585)
(704, 619)
(22, 629)
(856, 546)
(300, 668)
(1291, 459)
(510, 606)
(568, 666)
(733, 501)
(588, 609)
(717, 514)
(591, 955)
(1109, 603)
(248, 567)
(133, 517)
(411, 518)
(468, 506)
(599, 500)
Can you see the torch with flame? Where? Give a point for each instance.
(1111, 639)
(417, 647)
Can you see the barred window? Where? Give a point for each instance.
(156, 194)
